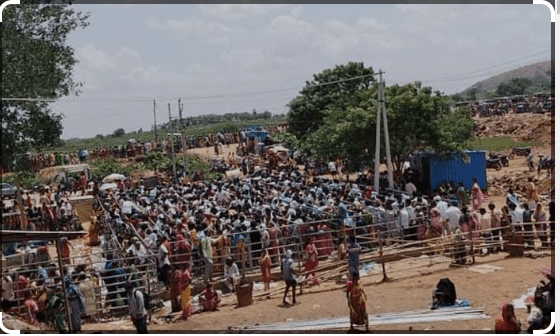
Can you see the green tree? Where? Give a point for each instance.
(471, 93)
(418, 119)
(119, 132)
(513, 87)
(309, 108)
(36, 63)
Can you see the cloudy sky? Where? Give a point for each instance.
(233, 58)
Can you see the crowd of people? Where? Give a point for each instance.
(216, 232)
(133, 148)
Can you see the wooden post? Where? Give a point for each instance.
(385, 277)
(63, 284)
(149, 293)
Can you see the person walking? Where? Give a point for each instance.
(136, 308)
(357, 302)
(312, 260)
(288, 274)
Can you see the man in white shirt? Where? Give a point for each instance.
(128, 207)
(516, 213)
(441, 205)
(485, 226)
(67, 207)
(138, 250)
(410, 188)
(136, 308)
(231, 272)
(452, 216)
(412, 220)
(403, 221)
(332, 169)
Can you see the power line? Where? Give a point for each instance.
(490, 67)
(457, 77)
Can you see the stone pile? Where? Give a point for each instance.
(526, 127)
(499, 186)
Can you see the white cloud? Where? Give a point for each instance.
(296, 11)
(95, 58)
(370, 23)
(191, 26)
(240, 11)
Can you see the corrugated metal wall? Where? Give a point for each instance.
(461, 167)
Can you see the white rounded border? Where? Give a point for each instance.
(2, 327)
(549, 6)
(549, 328)
(5, 4)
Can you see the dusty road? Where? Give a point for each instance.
(408, 291)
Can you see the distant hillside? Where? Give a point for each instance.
(537, 76)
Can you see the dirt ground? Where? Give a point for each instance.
(406, 291)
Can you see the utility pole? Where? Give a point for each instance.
(180, 112)
(377, 137)
(169, 109)
(387, 145)
(155, 125)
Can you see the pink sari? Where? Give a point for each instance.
(324, 241)
(476, 197)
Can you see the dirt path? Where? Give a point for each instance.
(406, 292)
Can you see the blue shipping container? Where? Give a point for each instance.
(459, 167)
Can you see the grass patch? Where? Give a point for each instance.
(499, 143)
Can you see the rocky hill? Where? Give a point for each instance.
(539, 74)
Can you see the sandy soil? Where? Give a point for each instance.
(407, 291)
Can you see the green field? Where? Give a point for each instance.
(73, 145)
(500, 143)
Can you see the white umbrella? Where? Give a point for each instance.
(113, 177)
(107, 186)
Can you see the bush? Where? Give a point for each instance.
(27, 180)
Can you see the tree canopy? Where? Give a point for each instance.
(36, 63)
(311, 105)
(419, 118)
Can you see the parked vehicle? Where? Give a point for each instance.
(519, 151)
(494, 163)
(503, 158)
(8, 190)
(545, 163)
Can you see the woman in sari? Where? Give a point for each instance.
(76, 301)
(325, 245)
(31, 308)
(93, 232)
(312, 260)
(185, 288)
(88, 289)
(265, 269)
(184, 249)
(273, 232)
(476, 195)
(209, 299)
(174, 290)
(508, 324)
(65, 251)
(357, 302)
(541, 225)
(436, 226)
